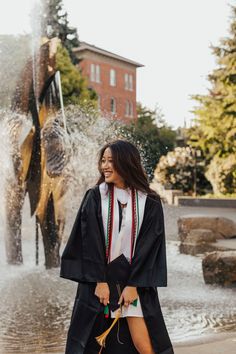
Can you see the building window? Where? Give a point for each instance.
(129, 82)
(95, 73)
(99, 102)
(131, 113)
(112, 77)
(126, 81)
(129, 109)
(98, 79)
(92, 72)
(126, 108)
(113, 105)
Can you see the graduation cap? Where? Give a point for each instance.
(118, 272)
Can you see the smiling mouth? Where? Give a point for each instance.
(107, 174)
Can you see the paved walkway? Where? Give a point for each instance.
(226, 346)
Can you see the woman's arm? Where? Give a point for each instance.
(148, 267)
(83, 259)
(128, 295)
(102, 291)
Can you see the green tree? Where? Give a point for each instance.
(55, 24)
(74, 85)
(216, 112)
(151, 133)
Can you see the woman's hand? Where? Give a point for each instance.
(102, 291)
(128, 295)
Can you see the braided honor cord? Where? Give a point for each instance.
(135, 221)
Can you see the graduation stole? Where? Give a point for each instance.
(110, 219)
(133, 237)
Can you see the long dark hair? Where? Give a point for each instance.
(127, 163)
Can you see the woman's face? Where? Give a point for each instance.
(110, 174)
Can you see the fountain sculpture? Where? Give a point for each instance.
(41, 158)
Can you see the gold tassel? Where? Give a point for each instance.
(102, 338)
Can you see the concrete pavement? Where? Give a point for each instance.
(226, 346)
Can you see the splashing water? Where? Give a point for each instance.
(14, 127)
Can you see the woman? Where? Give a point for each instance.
(117, 252)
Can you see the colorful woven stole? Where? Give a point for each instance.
(135, 221)
(133, 237)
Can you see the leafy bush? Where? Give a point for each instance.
(221, 172)
(176, 171)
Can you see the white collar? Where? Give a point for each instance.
(122, 195)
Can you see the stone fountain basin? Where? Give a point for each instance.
(221, 227)
(215, 238)
(219, 267)
(200, 234)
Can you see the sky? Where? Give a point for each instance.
(170, 38)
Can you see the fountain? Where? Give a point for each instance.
(36, 304)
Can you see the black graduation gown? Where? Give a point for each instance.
(84, 261)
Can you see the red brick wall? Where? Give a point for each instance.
(106, 92)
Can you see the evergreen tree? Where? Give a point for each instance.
(74, 85)
(216, 113)
(55, 24)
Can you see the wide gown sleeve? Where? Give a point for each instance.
(148, 267)
(83, 259)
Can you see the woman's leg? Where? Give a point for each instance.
(140, 335)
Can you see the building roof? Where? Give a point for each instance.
(86, 46)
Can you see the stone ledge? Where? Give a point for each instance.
(220, 268)
(206, 202)
(221, 227)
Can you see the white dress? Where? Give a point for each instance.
(120, 245)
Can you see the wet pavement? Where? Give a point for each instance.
(36, 304)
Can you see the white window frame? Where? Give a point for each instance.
(92, 72)
(98, 74)
(130, 82)
(95, 73)
(126, 78)
(112, 77)
(126, 108)
(129, 109)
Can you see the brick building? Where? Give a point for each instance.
(113, 78)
